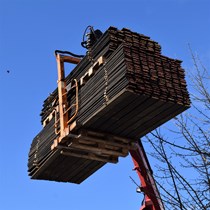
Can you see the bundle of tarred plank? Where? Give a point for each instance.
(133, 91)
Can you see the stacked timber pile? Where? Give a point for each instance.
(133, 90)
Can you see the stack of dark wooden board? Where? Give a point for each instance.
(134, 91)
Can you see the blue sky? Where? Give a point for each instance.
(30, 31)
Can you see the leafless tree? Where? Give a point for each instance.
(182, 152)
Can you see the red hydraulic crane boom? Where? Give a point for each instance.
(152, 199)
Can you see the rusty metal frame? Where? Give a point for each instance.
(62, 97)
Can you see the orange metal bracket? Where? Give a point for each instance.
(62, 93)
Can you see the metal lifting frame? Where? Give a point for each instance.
(62, 96)
(152, 199)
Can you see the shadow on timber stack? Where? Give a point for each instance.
(120, 91)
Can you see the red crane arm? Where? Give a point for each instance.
(152, 199)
